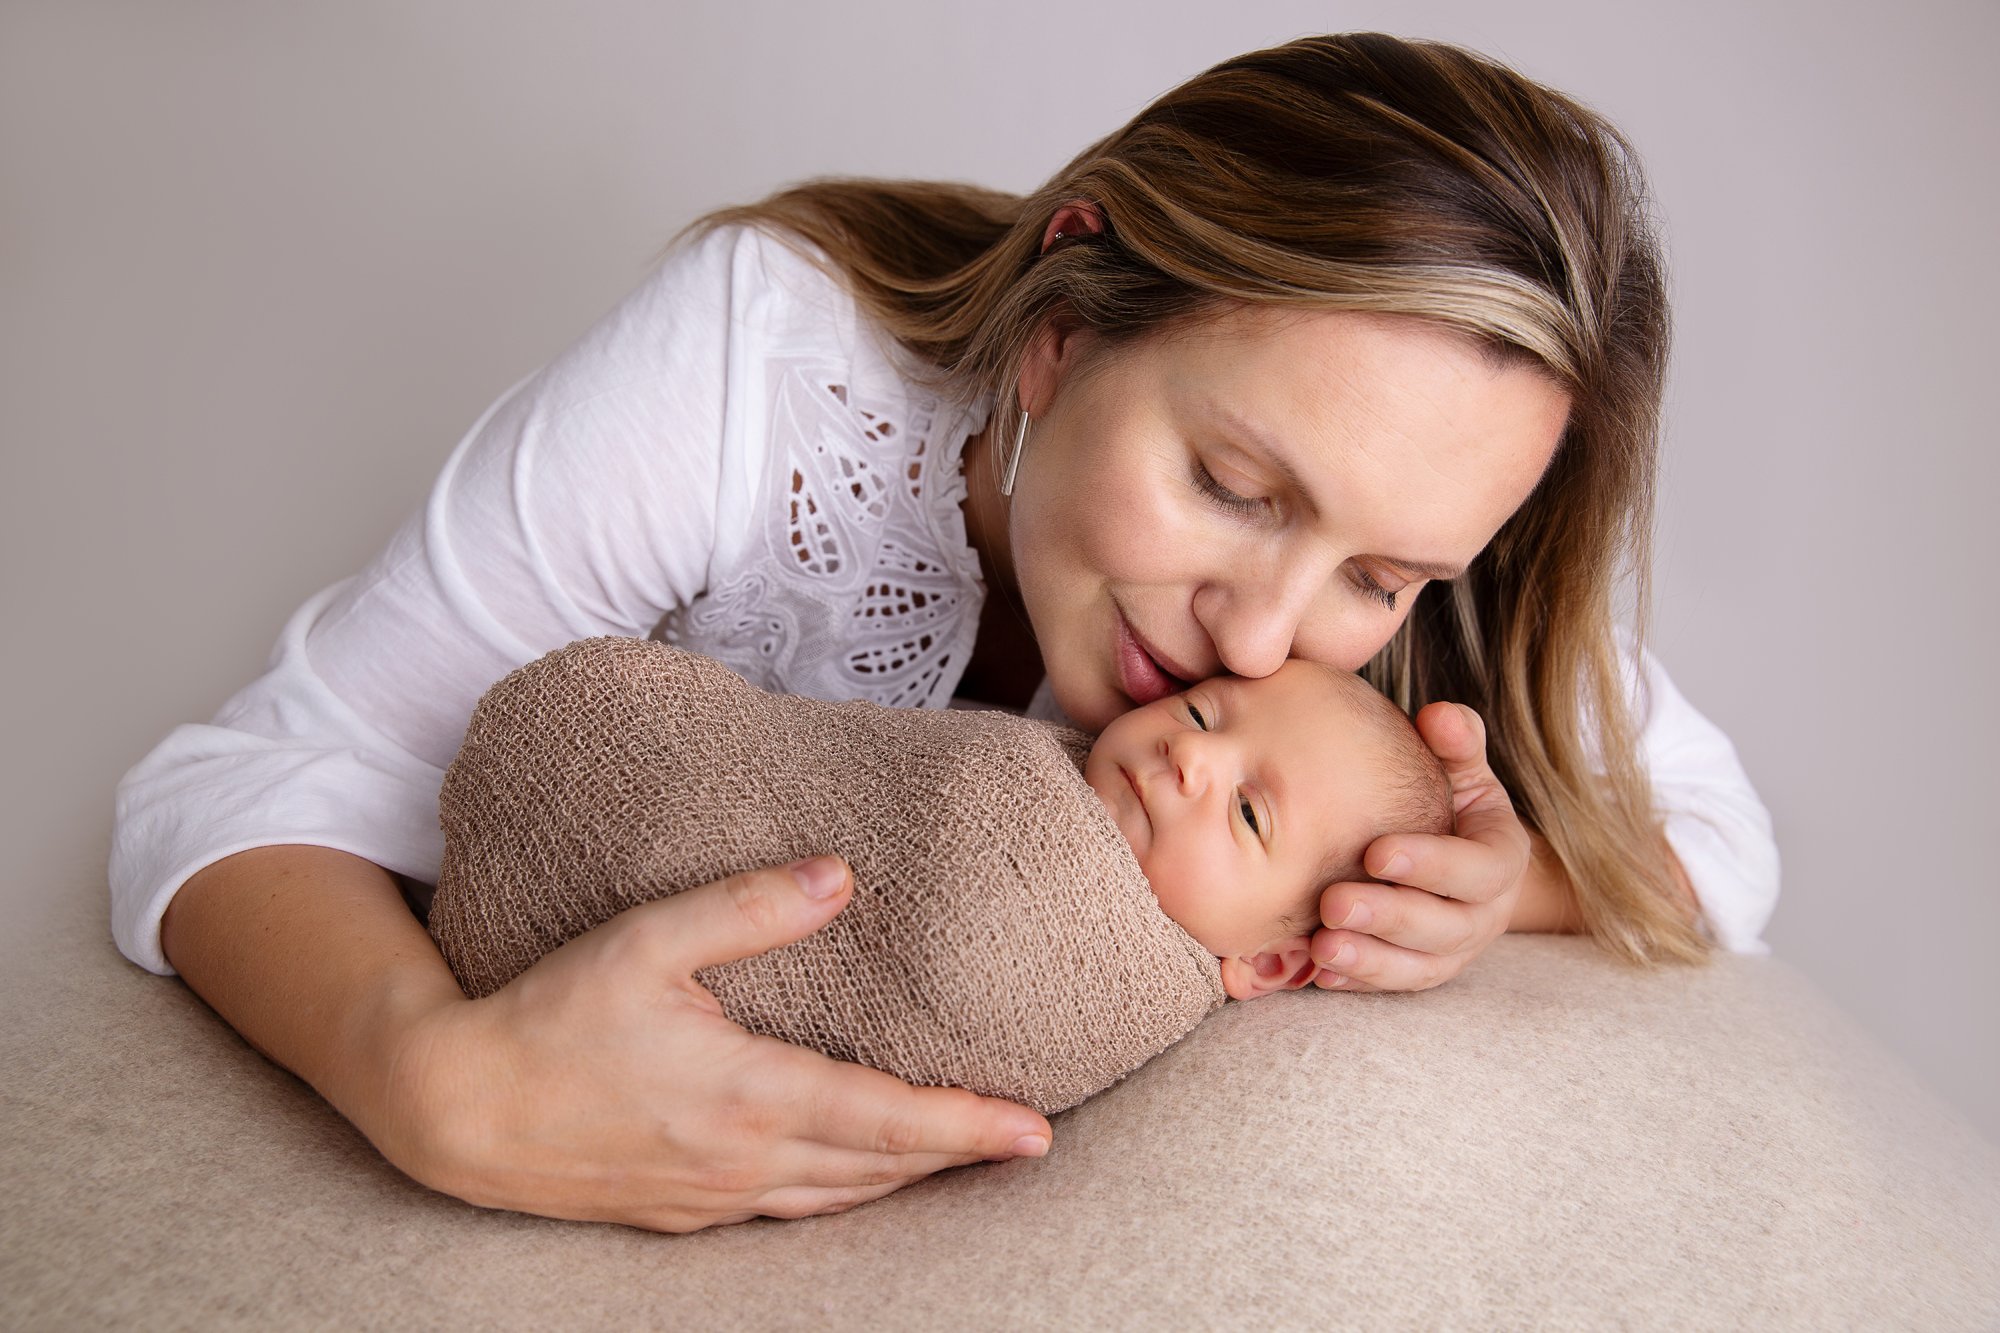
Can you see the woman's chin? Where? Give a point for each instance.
(1095, 710)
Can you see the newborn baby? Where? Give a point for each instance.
(1243, 799)
(1028, 920)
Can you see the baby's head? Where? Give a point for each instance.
(1243, 799)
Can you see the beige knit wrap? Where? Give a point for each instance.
(1001, 936)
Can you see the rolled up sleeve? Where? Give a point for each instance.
(1710, 812)
(582, 503)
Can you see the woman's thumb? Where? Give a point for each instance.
(1456, 735)
(753, 912)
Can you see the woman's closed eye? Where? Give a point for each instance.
(1376, 590)
(1233, 501)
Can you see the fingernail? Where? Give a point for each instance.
(818, 876)
(1029, 1145)
(1332, 981)
(1358, 917)
(1342, 956)
(1395, 867)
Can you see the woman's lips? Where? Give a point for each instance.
(1142, 676)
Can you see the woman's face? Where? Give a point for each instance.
(1269, 483)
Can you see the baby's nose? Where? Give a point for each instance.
(1190, 765)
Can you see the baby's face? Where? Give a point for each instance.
(1234, 794)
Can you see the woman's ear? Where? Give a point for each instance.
(1078, 217)
(1053, 354)
(1042, 367)
(1052, 349)
(1287, 965)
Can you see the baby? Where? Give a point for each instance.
(1034, 915)
(1244, 799)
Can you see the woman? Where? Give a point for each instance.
(1349, 350)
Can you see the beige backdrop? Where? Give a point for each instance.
(260, 266)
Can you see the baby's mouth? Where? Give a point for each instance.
(1137, 795)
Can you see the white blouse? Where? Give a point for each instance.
(729, 461)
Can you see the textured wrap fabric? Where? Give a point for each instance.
(1001, 936)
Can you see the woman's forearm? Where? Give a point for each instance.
(312, 955)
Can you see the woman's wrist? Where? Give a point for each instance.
(1547, 901)
(395, 1069)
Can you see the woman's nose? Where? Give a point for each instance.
(1253, 617)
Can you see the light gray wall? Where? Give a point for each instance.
(261, 265)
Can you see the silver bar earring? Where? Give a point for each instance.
(1014, 458)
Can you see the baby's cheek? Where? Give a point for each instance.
(1162, 883)
(1179, 898)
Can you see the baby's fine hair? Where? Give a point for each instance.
(1417, 794)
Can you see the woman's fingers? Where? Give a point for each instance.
(808, 1201)
(1412, 918)
(1367, 962)
(606, 1083)
(802, 1094)
(848, 1134)
(1483, 859)
(1445, 897)
(738, 917)
(1455, 897)
(808, 1097)
(1459, 868)
(850, 1109)
(1482, 811)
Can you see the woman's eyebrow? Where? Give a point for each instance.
(1267, 448)
(1265, 445)
(1425, 568)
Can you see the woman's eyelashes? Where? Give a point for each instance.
(1373, 588)
(1247, 506)
(1234, 502)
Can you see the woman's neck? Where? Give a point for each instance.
(986, 514)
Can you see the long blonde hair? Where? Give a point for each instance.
(1362, 172)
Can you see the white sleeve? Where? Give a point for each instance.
(584, 502)
(1713, 819)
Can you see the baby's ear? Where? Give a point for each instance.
(1284, 966)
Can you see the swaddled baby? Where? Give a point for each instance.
(1033, 917)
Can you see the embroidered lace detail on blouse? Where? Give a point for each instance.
(862, 585)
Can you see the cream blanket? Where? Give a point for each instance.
(1001, 936)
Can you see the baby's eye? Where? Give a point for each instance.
(1249, 813)
(1194, 715)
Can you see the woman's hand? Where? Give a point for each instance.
(1446, 897)
(604, 1084)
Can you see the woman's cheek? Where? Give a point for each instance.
(1144, 537)
(1346, 638)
